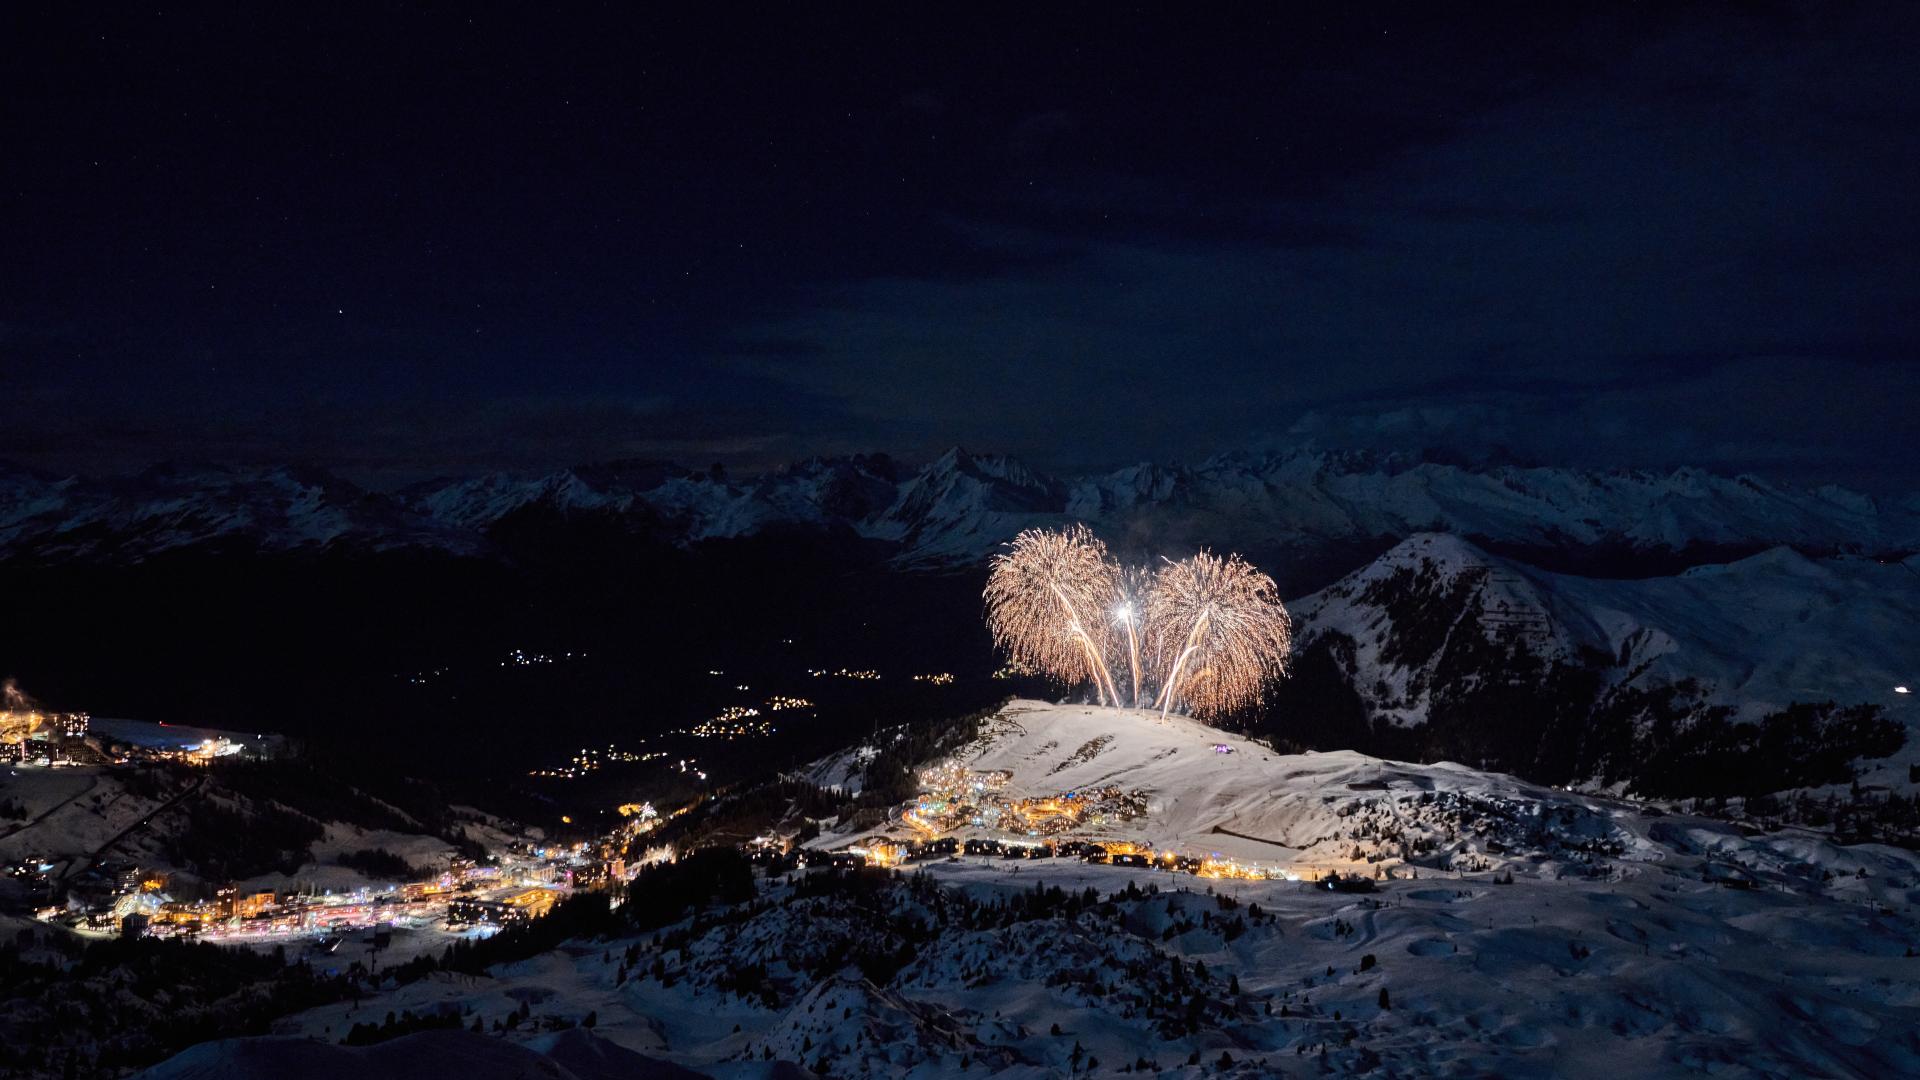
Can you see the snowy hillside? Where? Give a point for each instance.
(1210, 793)
(961, 506)
(1506, 930)
(567, 1055)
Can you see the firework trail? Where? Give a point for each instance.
(1132, 584)
(1218, 630)
(1046, 603)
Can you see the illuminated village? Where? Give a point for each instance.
(467, 897)
(30, 733)
(120, 899)
(961, 812)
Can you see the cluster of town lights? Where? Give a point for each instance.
(862, 675)
(888, 854)
(587, 761)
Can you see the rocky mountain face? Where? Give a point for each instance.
(1773, 669)
(1760, 632)
(957, 509)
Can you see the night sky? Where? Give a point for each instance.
(405, 244)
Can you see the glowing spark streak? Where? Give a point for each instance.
(1173, 676)
(1133, 651)
(1094, 661)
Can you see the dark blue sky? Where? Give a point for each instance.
(403, 243)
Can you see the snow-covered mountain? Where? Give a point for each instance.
(1772, 672)
(1759, 633)
(958, 508)
(962, 505)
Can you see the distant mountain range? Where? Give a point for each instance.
(956, 509)
(1683, 632)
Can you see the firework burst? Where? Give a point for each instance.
(1046, 604)
(1218, 632)
(1203, 635)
